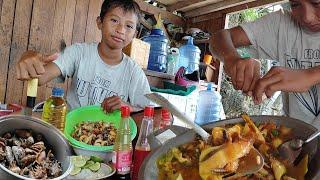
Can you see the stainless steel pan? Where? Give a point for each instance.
(54, 138)
(301, 129)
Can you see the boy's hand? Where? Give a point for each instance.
(244, 73)
(113, 103)
(282, 79)
(31, 64)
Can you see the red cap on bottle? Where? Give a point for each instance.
(149, 111)
(125, 111)
(165, 114)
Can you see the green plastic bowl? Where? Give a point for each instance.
(93, 114)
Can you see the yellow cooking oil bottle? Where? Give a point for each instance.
(55, 109)
(122, 148)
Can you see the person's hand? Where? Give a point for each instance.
(282, 79)
(244, 73)
(31, 64)
(112, 103)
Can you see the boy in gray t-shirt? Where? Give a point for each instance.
(100, 72)
(292, 38)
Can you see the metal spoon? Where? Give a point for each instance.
(249, 164)
(290, 150)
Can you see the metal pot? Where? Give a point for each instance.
(54, 139)
(301, 129)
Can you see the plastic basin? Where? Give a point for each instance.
(93, 114)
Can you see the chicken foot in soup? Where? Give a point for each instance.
(224, 159)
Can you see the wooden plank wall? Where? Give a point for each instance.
(40, 25)
(212, 25)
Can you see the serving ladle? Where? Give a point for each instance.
(249, 164)
(290, 150)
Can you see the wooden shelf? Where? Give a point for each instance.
(156, 79)
(201, 41)
(158, 74)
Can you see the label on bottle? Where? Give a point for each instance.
(114, 159)
(165, 122)
(165, 136)
(139, 156)
(122, 161)
(32, 87)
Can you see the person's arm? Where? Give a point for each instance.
(36, 65)
(263, 36)
(139, 86)
(314, 75)
(113, 103)
(223, 44)
(243, 73)
(52, 71)
(287, 80)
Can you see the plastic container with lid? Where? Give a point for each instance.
(209, 106)
(207, 59)
(172, 61)
(158, 50)
(189, 56)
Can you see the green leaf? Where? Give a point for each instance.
(275, 132)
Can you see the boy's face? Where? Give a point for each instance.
(307, 13)
(118, 28)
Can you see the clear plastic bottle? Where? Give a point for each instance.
(55, 109)
(122, 156)
(166, 118)
(172, 61)
(142, 148)
(209, 106)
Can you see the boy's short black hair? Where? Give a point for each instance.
(126, 5)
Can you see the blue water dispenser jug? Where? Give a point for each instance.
(189, 56)
(158, 50)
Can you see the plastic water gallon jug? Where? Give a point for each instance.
(209, 106)
(189, 56)
(158, 50)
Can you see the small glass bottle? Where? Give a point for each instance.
(122, 156)
(166, 118)
(142, 148)
(55, 109)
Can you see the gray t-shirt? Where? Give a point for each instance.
(277, 36)
(93, 80)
